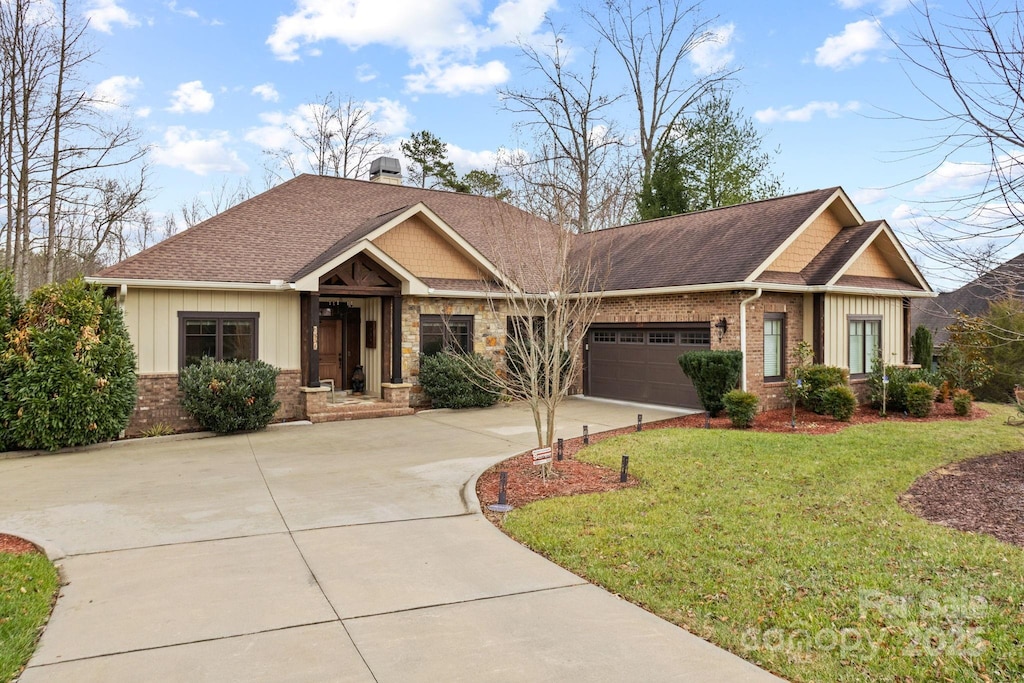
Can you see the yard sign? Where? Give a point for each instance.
(542, 456)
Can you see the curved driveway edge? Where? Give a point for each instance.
(335, 552)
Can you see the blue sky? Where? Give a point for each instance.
(212, 84)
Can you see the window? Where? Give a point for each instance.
(774, 346)
(221, 336)
(516, 327)
(631, 337)
(446, 333)
(661, 337)
(865, 343)
(603, 337)
(699, 337)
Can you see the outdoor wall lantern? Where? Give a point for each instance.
(722, 326)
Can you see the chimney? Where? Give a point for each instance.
(386, 170)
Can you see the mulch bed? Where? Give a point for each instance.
(573, 477)
(984, 495)
(16, 546)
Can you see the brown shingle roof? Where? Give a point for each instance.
(283, 232)
(718, 245)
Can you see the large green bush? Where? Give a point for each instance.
(458, 381)
(229, 396)
(839, 401)
(817, 379)
(923, 347)
(67, 368)
(10, 309)
(900, 378)
(920, 397)
(714, 374)
(741, 407)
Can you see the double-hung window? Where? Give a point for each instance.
(865, 343)
(774, 346)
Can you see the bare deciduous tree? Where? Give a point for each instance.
(970, 69)
(218, 198)
(576, 139)
(653, 41)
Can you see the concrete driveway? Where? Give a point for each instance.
(337, 552)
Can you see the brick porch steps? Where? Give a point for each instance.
(360, 411)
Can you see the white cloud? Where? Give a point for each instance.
(103, 14)
(805, 113)
(851, 46)
(885, 7)
(267, 91)
(184, 11)
(115, 92)
(143, 112)
(953, 177)
(454, 79)
(191, 97)
(714, 52)
(466, 160)
(442, 37)
(365, 73)
(391, 116)
(187, 149)
(869, 195)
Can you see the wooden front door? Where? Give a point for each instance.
(330, 351)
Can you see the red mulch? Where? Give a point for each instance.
(16, 546)
(983, 495)
(572, 477)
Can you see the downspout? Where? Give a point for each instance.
(743, 335)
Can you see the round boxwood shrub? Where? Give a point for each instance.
(839, 401)
(458, 381)
(229, 396)
(67, 370)
(741, 407)
(920, 397)
(713, 373)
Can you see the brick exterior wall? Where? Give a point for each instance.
(488, 333)
(159, 402)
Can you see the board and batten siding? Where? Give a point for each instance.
(152, 318)
(839, 308)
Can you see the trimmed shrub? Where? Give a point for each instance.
(962, 400)
(67, 370)
(818, 379)
(839, 401)
(713, 373)
(458, 381)
(229, 396)
(741, 407)
(920, 397)
(10, 310)
(899, 380)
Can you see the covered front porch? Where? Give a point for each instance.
(351, 346)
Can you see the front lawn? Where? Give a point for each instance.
(792, 551)
(28, 584)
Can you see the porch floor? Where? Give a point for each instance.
(341, 407)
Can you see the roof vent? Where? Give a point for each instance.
(386, 170)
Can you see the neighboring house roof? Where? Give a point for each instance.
(972, 299)
(290, 230)
(302, 229)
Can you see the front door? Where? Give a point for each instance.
(330, 351)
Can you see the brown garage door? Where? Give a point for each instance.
(639, 364)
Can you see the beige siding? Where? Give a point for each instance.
(872, 263)
(819, 233)
(426, 253)
(839, 308)
(152, 317)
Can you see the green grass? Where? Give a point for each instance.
(792, 551)
(28, 585)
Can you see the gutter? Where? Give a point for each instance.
(272, 286)
(743, 335)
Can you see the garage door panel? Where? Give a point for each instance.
(648, 372)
